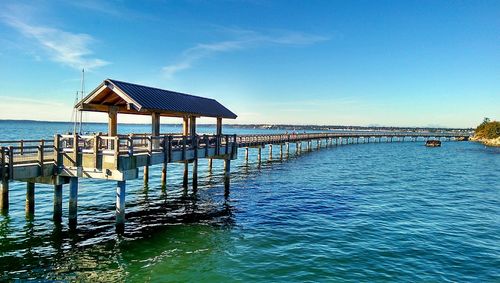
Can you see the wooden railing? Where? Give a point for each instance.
(251, 140)
(13, 153)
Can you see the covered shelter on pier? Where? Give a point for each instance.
(118, 97)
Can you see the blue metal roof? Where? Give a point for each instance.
(155, 99)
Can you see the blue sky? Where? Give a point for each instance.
(397, 63)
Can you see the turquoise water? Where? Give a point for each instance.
(368, 212)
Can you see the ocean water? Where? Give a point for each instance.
(353, 213)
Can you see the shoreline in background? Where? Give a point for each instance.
(285, 126)
(488, 142)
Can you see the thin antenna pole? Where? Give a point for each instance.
(82, 94)
(74, 117)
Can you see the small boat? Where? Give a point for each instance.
(433, 143)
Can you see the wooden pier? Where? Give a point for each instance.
(118, 158)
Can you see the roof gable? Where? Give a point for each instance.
(146, 99)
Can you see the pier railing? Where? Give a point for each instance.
(262, 139)
(95, 147)
(23, 152)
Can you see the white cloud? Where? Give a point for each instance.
(70, 49)
(243, 39)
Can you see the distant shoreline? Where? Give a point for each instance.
(280, 126)
(488, 142)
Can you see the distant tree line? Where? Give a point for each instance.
(488, 129)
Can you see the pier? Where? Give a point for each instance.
(119, 158)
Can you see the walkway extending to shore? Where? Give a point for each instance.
(118, 158)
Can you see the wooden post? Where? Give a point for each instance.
(219, 127)
(318, 144)
(246, 154)
(30, 199)
(120, 205)
(166, 146)
(40, 157)
(195, 173)
(164, 176)
(146, 176)
(259, 157)
(186, 174)
(227, 175)
(218, 132)
(4, 196)
(281, 151)
(58, 198)
(270, 152)
(4, 183)
(210, 161)
(112, 122)
(287, 149)
(155, 130)
(73, 201)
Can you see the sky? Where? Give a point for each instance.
(391, 63)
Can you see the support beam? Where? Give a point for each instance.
(219, 127)
(270, 152)
(281, 151)
(155, 130)
(210, 163)
(185, 126)
(58, 198)
(73, 201)
(112, 123)
(30, 199)
(192, 126)
(155, 124)
(246, 154)
(120, 205)
(259, 155)
(287, 149)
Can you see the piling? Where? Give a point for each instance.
(58, 198)
(195, 173)
(164, 176)
(30, 199)
(4, 183)
(270, 152)
(186, 175)
(120, 205)
(4, 196)
(73, 201)
(259, 157)
(146, 176)
(210, 161)
(246, 155)
(281, 151)
(287, 149)
(227, 175)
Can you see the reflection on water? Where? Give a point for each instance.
(356, 213)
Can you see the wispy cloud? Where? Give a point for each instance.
(242, 39)
(30, 101)
(70, 49)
